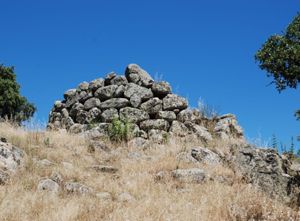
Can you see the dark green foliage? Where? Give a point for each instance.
(280, 56)
(120, 130)
(13, 106)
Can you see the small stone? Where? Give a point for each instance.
(48, 185)
(109, 115)
(109, 77)
(192, 175)
(119, 80)
(91, 103)
(74, 187)
(83, 86)
(95, 84)
(104, 169)
(172, 102)
(106, 92)
(166, 115)
(105, 196)
(152, 106)
(44, 163)
(114, 103)
(161, 89)
(158, 124)
(56, 177)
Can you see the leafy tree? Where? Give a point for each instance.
(280, 56)
(13, 106)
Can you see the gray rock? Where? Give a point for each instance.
(65, 113)
(139, 142)
(83, 96)
(158, 136)
(83, 86)
(179, 129)
(44, 163)
(11, 157)
(105, 169)
(75, 109)
(199, 131)
(114, 103)
(136, 74)
(166, 115)
(161, 175)
(204, 155)
(161, 89)
(172, 102)
(119, 91)
(95, 84)
(81, 117)
(77, 128)
(67, 122)
(152, 106)
(58, 105)
(192, 175)
(109, 115)
(48, 185)
(135, 100)
(4, 177)
(158, 124)
(91, 103)
(69, 93)
(109, 77)
(57, 177)
(106, 92)
(93, 115)
(187, 115)
(134, 115)
(119, 80)
(134, 89)
(227, 127)
(74, 187)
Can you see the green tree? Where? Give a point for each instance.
(280, 57)
(13, 106)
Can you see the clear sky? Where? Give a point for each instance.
(203, 48)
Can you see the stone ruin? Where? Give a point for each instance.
(150, 106)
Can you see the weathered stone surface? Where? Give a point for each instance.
(114, 103)
(119, 91)
(119, 80)
(44, 163)
(58, 105)
(105, 169)
(48, 185)
(91, 103)
(74, 187)
(178, 129)
(135, 100)
(187, 115)
(4, 177)
(161, 89)
(269, 171)
(109, 77)
(109, 115)
(172, 102)
(227, 127)
(77, 128)
(204, 155)
(134, 89)
(75, 109)
(95, 84)
(106, 92)
(139, 142)
(69, 93)
(158, 136)
(57, 177)
(133, 115)
(166, 115)
(158, 124)
(198, 130)
(137, 75)
(152, 106)
(81, 117)
(83, 86)
(192, 175)
(93, 115)
(11, 157)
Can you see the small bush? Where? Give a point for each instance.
(207, 110)
(120, 130)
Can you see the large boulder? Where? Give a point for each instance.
(114, 103)
(134, 89)
(152, 106)
(106, 92)
(137, 75)
(173, 101)
(134, 115)
(157, 124)
(161, 89)
(92, 102)
(109, 115)
(11, 157)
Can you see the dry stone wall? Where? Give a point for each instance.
(150, 106)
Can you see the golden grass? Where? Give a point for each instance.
(154, 200)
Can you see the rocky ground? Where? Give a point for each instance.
(59, 176)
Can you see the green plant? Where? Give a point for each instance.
(13, 106)
(120, 130)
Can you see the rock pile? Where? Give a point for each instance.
(150, 106)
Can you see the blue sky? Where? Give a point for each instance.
(203, 48)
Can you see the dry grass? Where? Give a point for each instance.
(167, 200)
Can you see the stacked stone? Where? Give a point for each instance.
(150, 106)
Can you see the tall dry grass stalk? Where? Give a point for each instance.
(153, 200)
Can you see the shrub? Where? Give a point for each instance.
(120, 130)
(13, 106)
